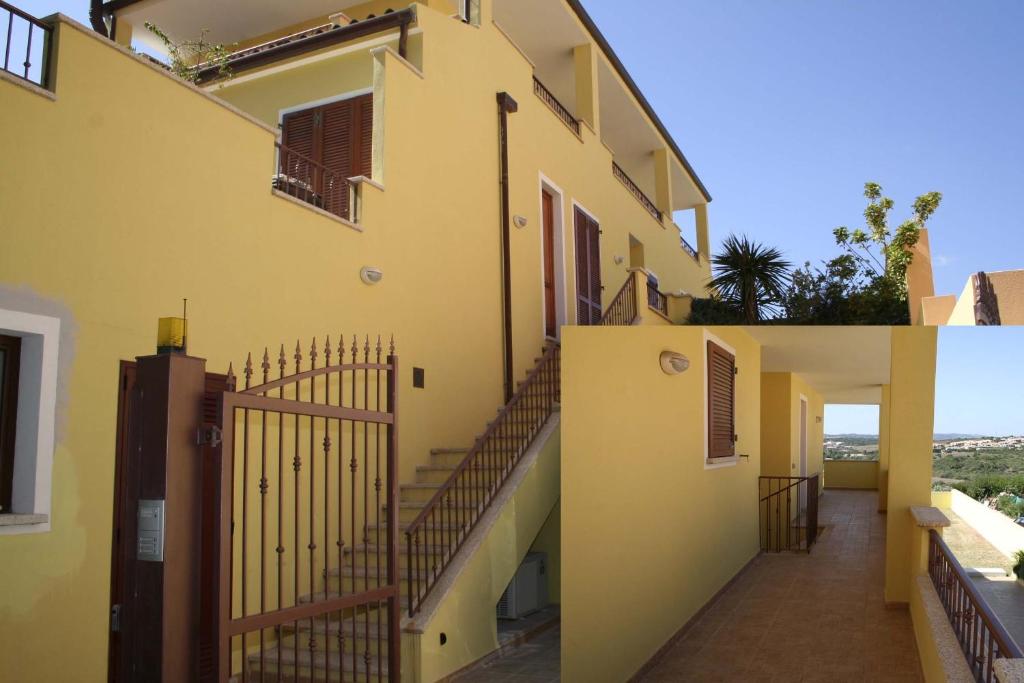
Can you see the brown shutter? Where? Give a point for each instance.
(298, 132)
(364, 147)
(337, 153)
(588, 269)
(721, 402)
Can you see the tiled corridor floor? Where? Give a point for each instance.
(536, 661)
(798, 617)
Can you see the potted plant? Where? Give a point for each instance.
(1018, 567)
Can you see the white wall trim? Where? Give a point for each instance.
(717, 463)
(37, 413)
(561, 293)
(318, 103)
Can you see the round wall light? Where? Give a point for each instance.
(673, 363)
(371, 275)
(520, 221)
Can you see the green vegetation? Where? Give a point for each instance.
(856, 447)
(864, 285)
(1018, 566)
(978, 463)
(189, 57)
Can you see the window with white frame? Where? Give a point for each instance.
(29, 352)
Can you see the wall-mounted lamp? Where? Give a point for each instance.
(520, 221)
(818, 419)
(673, 363)
(619, 260)
(371, 275)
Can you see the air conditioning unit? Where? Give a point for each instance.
(528, 591)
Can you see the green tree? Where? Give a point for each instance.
(750, 277)
(189, 57)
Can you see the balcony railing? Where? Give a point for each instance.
(982, 636)
(557, 107)
(26, 46)
(657, 300)
(788, 511)
(688, 249)
(303, 178)
(635, 190)
(623, 309)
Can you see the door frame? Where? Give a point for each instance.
(558, 211)
(600, 257)
(803, 444)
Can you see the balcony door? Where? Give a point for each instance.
(588, 269)
(337, 136)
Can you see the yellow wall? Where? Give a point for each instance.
(780, 425)
(851, 474)
(649, 534)
(1008, 286)
(549, 541)
(911, 414)
(170, 199)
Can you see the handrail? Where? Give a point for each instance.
(310, 181)
(779, 494)
(313, 39)
(623, 309)
(688, 249)
(657, 300)
(33, 23)
(635, 190)
(981, 635)
(435, 536)
(559, 109)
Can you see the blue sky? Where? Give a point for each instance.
(978, 386)
(786, 108)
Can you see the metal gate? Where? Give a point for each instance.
(304, 575)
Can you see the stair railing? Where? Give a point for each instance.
(435, 536)
(788, 512)
(623, 309)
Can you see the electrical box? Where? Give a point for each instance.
(150, 546)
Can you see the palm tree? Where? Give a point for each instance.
(750, 276)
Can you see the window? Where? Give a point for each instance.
(339, 137)
(10, 361)
(721, 384)
(29, 360)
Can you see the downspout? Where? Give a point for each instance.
(96, 17)
(506, 106)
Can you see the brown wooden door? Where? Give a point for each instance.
(550, 312)
(588, 269)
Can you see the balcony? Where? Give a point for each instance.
(27, 43)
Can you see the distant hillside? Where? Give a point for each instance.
(853, 436)
(954, 436)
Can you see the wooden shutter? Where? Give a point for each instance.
(364, 136)
(588, 269)
(721, 402)
(337, 154)
(298, 132)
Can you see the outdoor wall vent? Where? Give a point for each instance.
(371, 275)
(673, 363)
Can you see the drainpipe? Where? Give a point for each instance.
(506, 106)
(96, 17)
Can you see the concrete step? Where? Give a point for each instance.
(358, 635)
(422, 493)
(408, 512)
(366, 555)
(432, 474)
(308, 665)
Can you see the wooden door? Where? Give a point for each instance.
(588, 269)
(550, 312)
(123, 519)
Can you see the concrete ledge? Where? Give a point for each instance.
(315, 209)
(941, 656)
(14, 519)
(929, 518)
(27, 85)
(1009, 670)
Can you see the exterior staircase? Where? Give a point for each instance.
(314, 650)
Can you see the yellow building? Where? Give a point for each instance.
(444, 175)
(348, 179)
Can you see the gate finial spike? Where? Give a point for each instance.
(366, 349)
(281, 361)
(298, 357)
(355, 348)
(266, 365)
(341, 349)
(391, 350)
(327, 352)
(231, 377)
(379, 348)
(312, 355)
(248, 369)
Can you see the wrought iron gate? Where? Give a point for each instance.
(304, 524)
